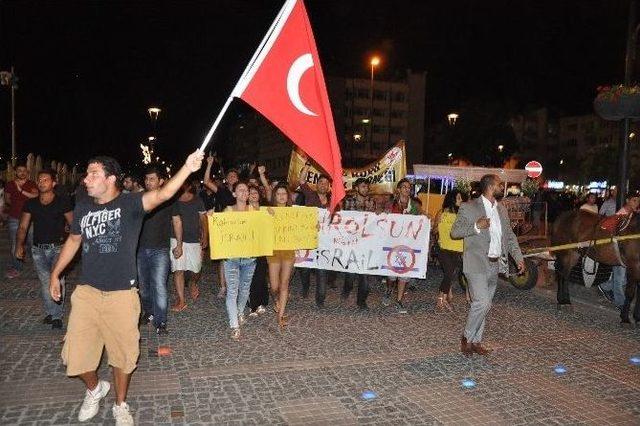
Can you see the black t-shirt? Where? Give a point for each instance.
(209, 200)
(109, 240)
(189, 212)
(224, 198)
(48, 219)
(156, 228)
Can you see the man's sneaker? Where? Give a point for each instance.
(400, 308)
(261, 310)
(235, 333)
(386, 298)
(241, 319)
(47, 320)
(162, 330)
(56, 324)
(91, 402)
(607, 294)
(253, 313)
(122, 415)
(144, 319)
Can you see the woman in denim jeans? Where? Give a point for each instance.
(238, 271)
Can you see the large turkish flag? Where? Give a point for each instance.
(285, 84)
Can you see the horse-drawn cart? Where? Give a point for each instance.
(432, 182)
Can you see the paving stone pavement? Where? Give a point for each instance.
(315, 371)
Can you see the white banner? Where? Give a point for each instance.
(393, 245)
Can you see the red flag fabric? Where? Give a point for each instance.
(286, 85)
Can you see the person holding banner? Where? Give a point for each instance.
(238, 271)
(320, 198)
(223, 197)
(402, 203)
(281, 262)
(359, 201)
(259, 292)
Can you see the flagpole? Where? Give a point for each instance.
(287, 5)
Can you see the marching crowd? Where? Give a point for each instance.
(133, 236)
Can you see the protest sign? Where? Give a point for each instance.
(240, 234)
(294, 227)
(367, 243)
(382, 175)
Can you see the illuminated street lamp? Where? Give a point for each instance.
(154, 112)
(374, 62)
(500, 148)
(452, 118)
(357, 137)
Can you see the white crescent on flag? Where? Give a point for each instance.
(297, 70)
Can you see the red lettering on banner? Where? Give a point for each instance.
(411, 231)
(355, 228)
(393, 224)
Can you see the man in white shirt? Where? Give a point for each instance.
(488, 240)
(608, 208)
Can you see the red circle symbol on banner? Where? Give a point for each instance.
(534, 169)
(397, 259)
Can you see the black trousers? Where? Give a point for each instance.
(259, 293)
(451, 262)
(363, 287)
(321, 283)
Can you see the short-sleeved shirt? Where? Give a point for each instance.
(189, 212)
(16, 198)
(156, 228)
(48, 219)
(110, 234)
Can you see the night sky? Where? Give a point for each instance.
(89, 69)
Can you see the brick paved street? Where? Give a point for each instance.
(316, 370)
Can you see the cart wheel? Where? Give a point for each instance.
(528, 279)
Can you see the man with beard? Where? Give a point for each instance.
(105, 306)
(359, 201)
(16, 193)
(49, 213)
(488, 241)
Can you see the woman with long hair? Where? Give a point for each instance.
(402, 203)
(281, 262)
(259, 294)
(238, 271)
(450, 253)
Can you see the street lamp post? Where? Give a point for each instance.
(10, 79)
(154, 113)
(628, 71)
(374, 62)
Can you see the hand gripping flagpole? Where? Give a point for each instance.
(253, 63)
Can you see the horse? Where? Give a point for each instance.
(580, 226)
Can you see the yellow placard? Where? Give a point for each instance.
(294, 228)
(240, 234)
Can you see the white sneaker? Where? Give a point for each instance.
(122, 415)
(91, 403)
(261, 309)
(241, 319)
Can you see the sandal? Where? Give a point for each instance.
(178, 308)
(443, 305)
(283, 322)
(195, 292)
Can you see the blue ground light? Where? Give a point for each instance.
(635, 360)
(560, 369)
(468, 383)
(369, 395)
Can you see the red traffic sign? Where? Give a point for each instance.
(534, 169)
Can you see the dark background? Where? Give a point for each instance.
(88, 70)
